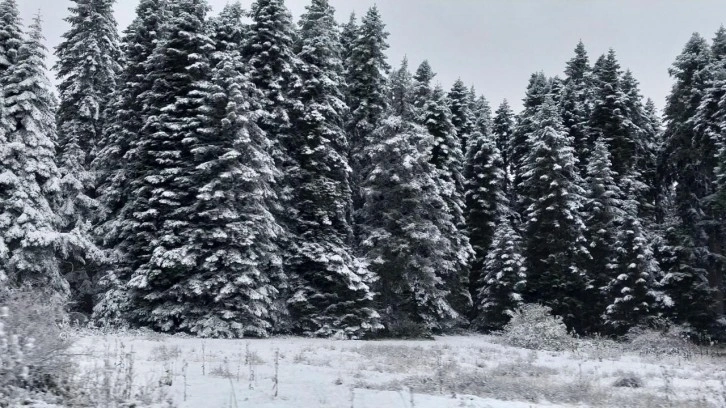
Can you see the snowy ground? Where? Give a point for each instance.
(459, 371)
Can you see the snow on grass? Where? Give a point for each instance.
(456, 371)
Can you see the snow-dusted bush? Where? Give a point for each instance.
(534, 327)
(672, 340)
(34, 358)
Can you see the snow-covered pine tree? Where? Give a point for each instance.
(163, 190)
(422, 89)
(680, 161)
(481, 113)
(29, 177)
(367, 89)
(331, 292)
(348, 35)
(604, 213)
(631, 292)
(405, 225)
(273, 68)
(485, 202)
(88, 64)
(449, 161)
(117, 161)
(555, 245)
(232, 234)
(518, 148)
(503, 130)
(11, 36)
(576, 103)
(228, 32)
(503, 278)
(461, 115)
(608, 120)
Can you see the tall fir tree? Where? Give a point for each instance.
(162, 287)
(448, 159)
(405, 225)
(422, 89)
(331, 289)
(503, 130)
(11, 36)
(576, 103)
(485, 202)
(367, 88)
(518, 148)
(88, 65)
(31, 245)
(556, 248)
(604, 211)
(680, 169)
(481, 113)
(116, 162)
(461, 114)
(232, 234)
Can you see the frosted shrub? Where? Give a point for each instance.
(34, 362)
(534, 327)
(673, 340)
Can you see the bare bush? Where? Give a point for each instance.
(534, 327)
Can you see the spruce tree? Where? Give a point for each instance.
(422, 89)
(681, 162)
(503, 130)
(555, 244)
(31, 245)
(405, 225)
(162, 287)
(11, 36)
(604, 211)
(367, 87)
(232, 234)
(449, 161)
(87, 67)
(117, 159)
(503, 278)
(630, 293)
(481, 113)
(331, 288)
(485, 202)
(577, 103)
(461, 114)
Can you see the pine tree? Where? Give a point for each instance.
(448, 159)
(461, 115)
(331, 288)
(631, 291)
(554, 230)
(348, 35)
(577, 103)
(162, 287)
(11, 37)
(405, 224)
(29, 177)
(422, 89)
(518, 148)
(482, 120)
(485, 202)
(367, 88)
(680, 162)
(604, 210)
(503, 278)
(503, 130)
(117, 159)
(233, 234)
(88, 64)
(228, 32)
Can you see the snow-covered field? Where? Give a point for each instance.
(457, 371)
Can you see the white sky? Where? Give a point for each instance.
(496, 44)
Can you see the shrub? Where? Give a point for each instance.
(673, 340)
(534, 327)
(34, 358)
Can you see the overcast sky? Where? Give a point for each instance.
(496, 44)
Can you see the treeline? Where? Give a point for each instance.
(241, 175)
